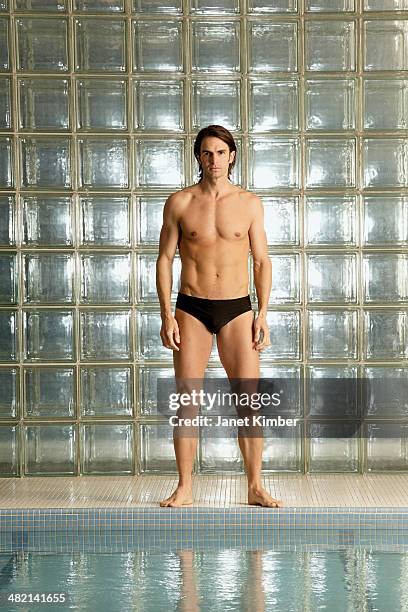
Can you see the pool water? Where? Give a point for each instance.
(229, 580)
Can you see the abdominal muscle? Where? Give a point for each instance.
(213, 273)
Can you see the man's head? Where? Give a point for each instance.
(215, 150)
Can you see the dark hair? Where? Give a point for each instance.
(219, 132)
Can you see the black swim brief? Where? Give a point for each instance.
(213, 313)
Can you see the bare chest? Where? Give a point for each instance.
(206, 224)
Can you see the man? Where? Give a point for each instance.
(214, 224)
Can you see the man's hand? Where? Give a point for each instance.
(261, 333)
(169, 333)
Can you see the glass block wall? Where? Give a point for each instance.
(100, 101)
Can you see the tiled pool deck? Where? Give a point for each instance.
(121, 513)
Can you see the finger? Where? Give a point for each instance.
(170, 341)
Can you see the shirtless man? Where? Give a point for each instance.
(214, 224)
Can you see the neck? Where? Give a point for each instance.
(215, 186)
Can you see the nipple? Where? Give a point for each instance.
(237, 234)
(193, 233)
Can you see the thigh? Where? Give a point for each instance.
(235, 347)
(195, 346)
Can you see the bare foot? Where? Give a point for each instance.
(260, 497)
(182, 496)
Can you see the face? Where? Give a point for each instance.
(215, 157)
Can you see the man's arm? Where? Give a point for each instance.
(262, 267)
(169, 236)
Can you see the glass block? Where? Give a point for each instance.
(102, 104)
(333, 447)
(105, 279)
(331, 221)
(47, 220)
(50, 449)
(149, 219)
(273, 105)
(266, 6)
(8, 335)
(100, 6)
(385, 103)
(103, 163)
(272, 47)
(385, 220)
(4, 5)
(45, 162)
(48, 335)
(48, 278)
(106, 392)
(386, 447)
(146, 277)
(49, 392)
(281, 221)
(100, 45)
(216, 103)
(42, 46)
(7, 216)
(4, 44)
(158, 105)
(104, 221)
(6, 167)
(107, 448)
(332, 391)
(384, 45)
(385, 391)
(283, 454)
(385, 5)
(332, 278)
(284, 330)
(105, 335)
(385, 277)
(9, 393)
(214, 7)
(44, 104)
(148, 337)
(331, 163)
(156, 448)
(160, 163)
(221, 454)
(215, 46)
(147, 387)
(385, 162)
(273, 163)
(157, 46)
(330, 45)
(326, 6)
(286, 279)
(330, 104)
(5, 103)
(386, 333)
(332, 334)
(8, 278)
(158, 6)
(41, 5)
(9, 446)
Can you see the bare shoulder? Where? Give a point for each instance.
(178, 200)
(251, 200)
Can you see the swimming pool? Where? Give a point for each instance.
(226, 580)
(200, 559)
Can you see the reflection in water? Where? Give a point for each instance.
(351, 579)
